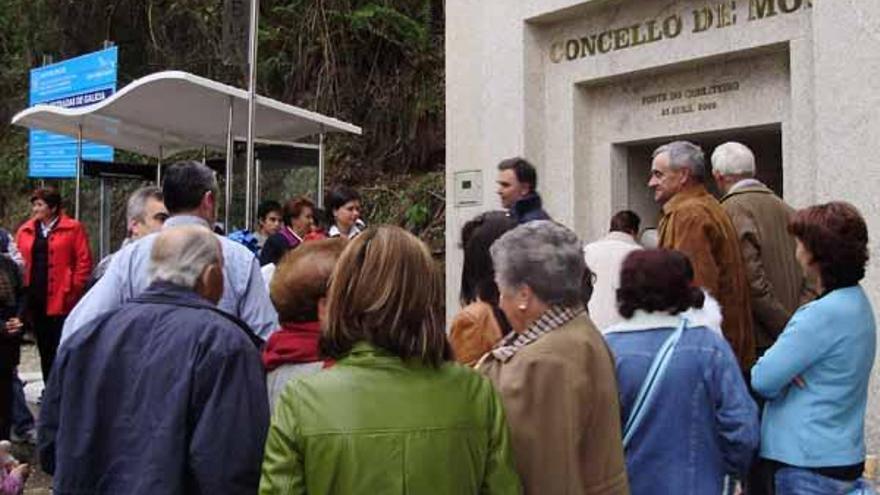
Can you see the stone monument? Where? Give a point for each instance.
(586, 89)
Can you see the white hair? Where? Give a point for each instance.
(181, 254)
(733, 158)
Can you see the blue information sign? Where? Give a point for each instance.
(77, 82)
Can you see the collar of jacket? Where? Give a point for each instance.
(554, 317)
(293, 239)
(681, 197)
(61, 222)
(170, 293)
(178, 220)
(644, 320)
(364, 353)
(529, 202)
(747, 186)
(620, 237)
(366, 349)
(352, 232)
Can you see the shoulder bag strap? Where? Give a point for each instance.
(649, 386)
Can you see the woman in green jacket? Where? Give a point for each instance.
(393, 415)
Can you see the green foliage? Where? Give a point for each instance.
(415, 202)
(376, 63)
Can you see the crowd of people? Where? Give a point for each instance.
(735, 354)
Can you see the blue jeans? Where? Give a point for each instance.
(22, 419)
(798, 481)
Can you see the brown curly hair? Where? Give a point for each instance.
(836, 236)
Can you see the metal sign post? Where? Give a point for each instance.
(104, 238)
(159, 168)
(230, 156)
(79, 154)
(252, 107)
(257, 191)
(321, 169)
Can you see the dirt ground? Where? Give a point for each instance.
(39, 483)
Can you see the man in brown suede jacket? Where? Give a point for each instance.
(694, 223)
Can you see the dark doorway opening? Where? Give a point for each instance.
(765, 143)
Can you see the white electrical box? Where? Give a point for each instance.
(469, 188)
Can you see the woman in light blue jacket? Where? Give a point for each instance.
(815, 376)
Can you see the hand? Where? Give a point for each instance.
(14, 326)
(23, 470)
(799, 382)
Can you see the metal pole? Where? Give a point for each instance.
(321, 169)
(252, 107)
(204, 155)
(257, 192)
(79, 153)
(159, 169)
(230, 156)
(102, 247)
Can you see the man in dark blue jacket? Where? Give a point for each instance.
(517, 183)
(165, 394)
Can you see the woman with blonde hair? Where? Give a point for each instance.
(392, 415)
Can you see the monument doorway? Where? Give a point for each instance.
(765, 142)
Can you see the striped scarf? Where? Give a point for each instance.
(553, 318)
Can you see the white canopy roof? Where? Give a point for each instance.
(174, 111)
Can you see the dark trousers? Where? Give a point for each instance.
(47, 330)
(762, 472)
(6, 374)
(22, 419)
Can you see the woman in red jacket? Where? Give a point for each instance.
(57, 260)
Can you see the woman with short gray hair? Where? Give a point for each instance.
(554, 372)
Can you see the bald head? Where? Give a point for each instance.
(189, 256)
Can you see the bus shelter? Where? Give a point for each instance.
(168, 112)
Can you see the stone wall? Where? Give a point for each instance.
(583, 88)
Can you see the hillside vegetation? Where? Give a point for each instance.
(378, 64)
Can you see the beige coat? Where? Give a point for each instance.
(560, 397)
(776, 280)
(694, 223)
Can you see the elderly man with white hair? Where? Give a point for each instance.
(694, 223)
(761, 220)
(164, 394)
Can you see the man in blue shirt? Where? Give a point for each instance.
(190, 191)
